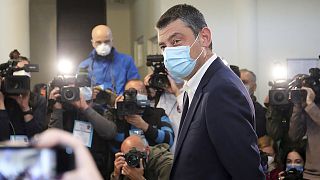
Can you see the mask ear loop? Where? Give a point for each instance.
(201, 48)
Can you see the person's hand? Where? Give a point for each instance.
(81, 103)
(173, 88)
(310, 95)
(118, 164)
(2, 107)
(281, 175)
(55, 94)
(96, 91)
(85, 166)
(146, 79)
(23, 101)
(137, 121)
(119, 98)
(133, 173)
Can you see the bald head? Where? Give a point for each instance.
(136, 84)
(101, 34)
(133, 141)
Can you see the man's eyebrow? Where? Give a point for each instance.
(170, 37)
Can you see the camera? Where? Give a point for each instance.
(293, 174)
(133, 158)
(69, 85)
(282, 90)
(131, 104)
(158, 79)
(15, 84)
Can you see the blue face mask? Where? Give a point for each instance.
(178, 62)
(298, 167)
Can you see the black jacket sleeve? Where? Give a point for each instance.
(4, 125)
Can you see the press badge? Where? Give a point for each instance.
(19, 138)
(83, 131)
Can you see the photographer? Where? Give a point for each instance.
(294, 164)
(278, 115)
(305, 120)
(168, 101)
(79, 117)
(249, 80)
(138, 161)
(22, 115)
(151, 123)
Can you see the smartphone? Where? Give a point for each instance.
(35, 163)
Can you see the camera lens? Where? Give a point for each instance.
(133, 160)
(279, 97)
(69, 94)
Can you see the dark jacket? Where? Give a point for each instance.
(12, 118)
(260, 114)
(217, 139)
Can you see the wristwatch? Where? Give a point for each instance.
(28, 112)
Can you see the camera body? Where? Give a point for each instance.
(158, 79)
(293, 174)
(15, 84)
(133, 158)
(285, 92)
(131, 105)
(69, 86)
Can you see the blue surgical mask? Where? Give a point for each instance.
(178, 62)
(298, 167)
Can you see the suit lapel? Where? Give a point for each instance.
(187, 121)
(216, 64)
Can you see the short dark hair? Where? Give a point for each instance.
(191, 16)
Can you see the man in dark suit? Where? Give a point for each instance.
(216, 137)
(249, 80)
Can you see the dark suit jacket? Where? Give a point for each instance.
(217, 140)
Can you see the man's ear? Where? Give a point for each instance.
(206, 37)
(92, 42)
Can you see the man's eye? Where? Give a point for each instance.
(162, 47)
(175, 42)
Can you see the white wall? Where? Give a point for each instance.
(251, 33)
(14, 29)
(118, 18)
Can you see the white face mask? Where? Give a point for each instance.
(270, 160)
(103, 49)
(86, 92)
(21, 73)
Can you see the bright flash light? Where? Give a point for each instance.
(65, 66)
(279, 72)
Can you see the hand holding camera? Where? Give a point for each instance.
(310, 95)
(137, 121)
(130, 164)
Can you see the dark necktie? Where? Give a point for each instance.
(185, 109)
